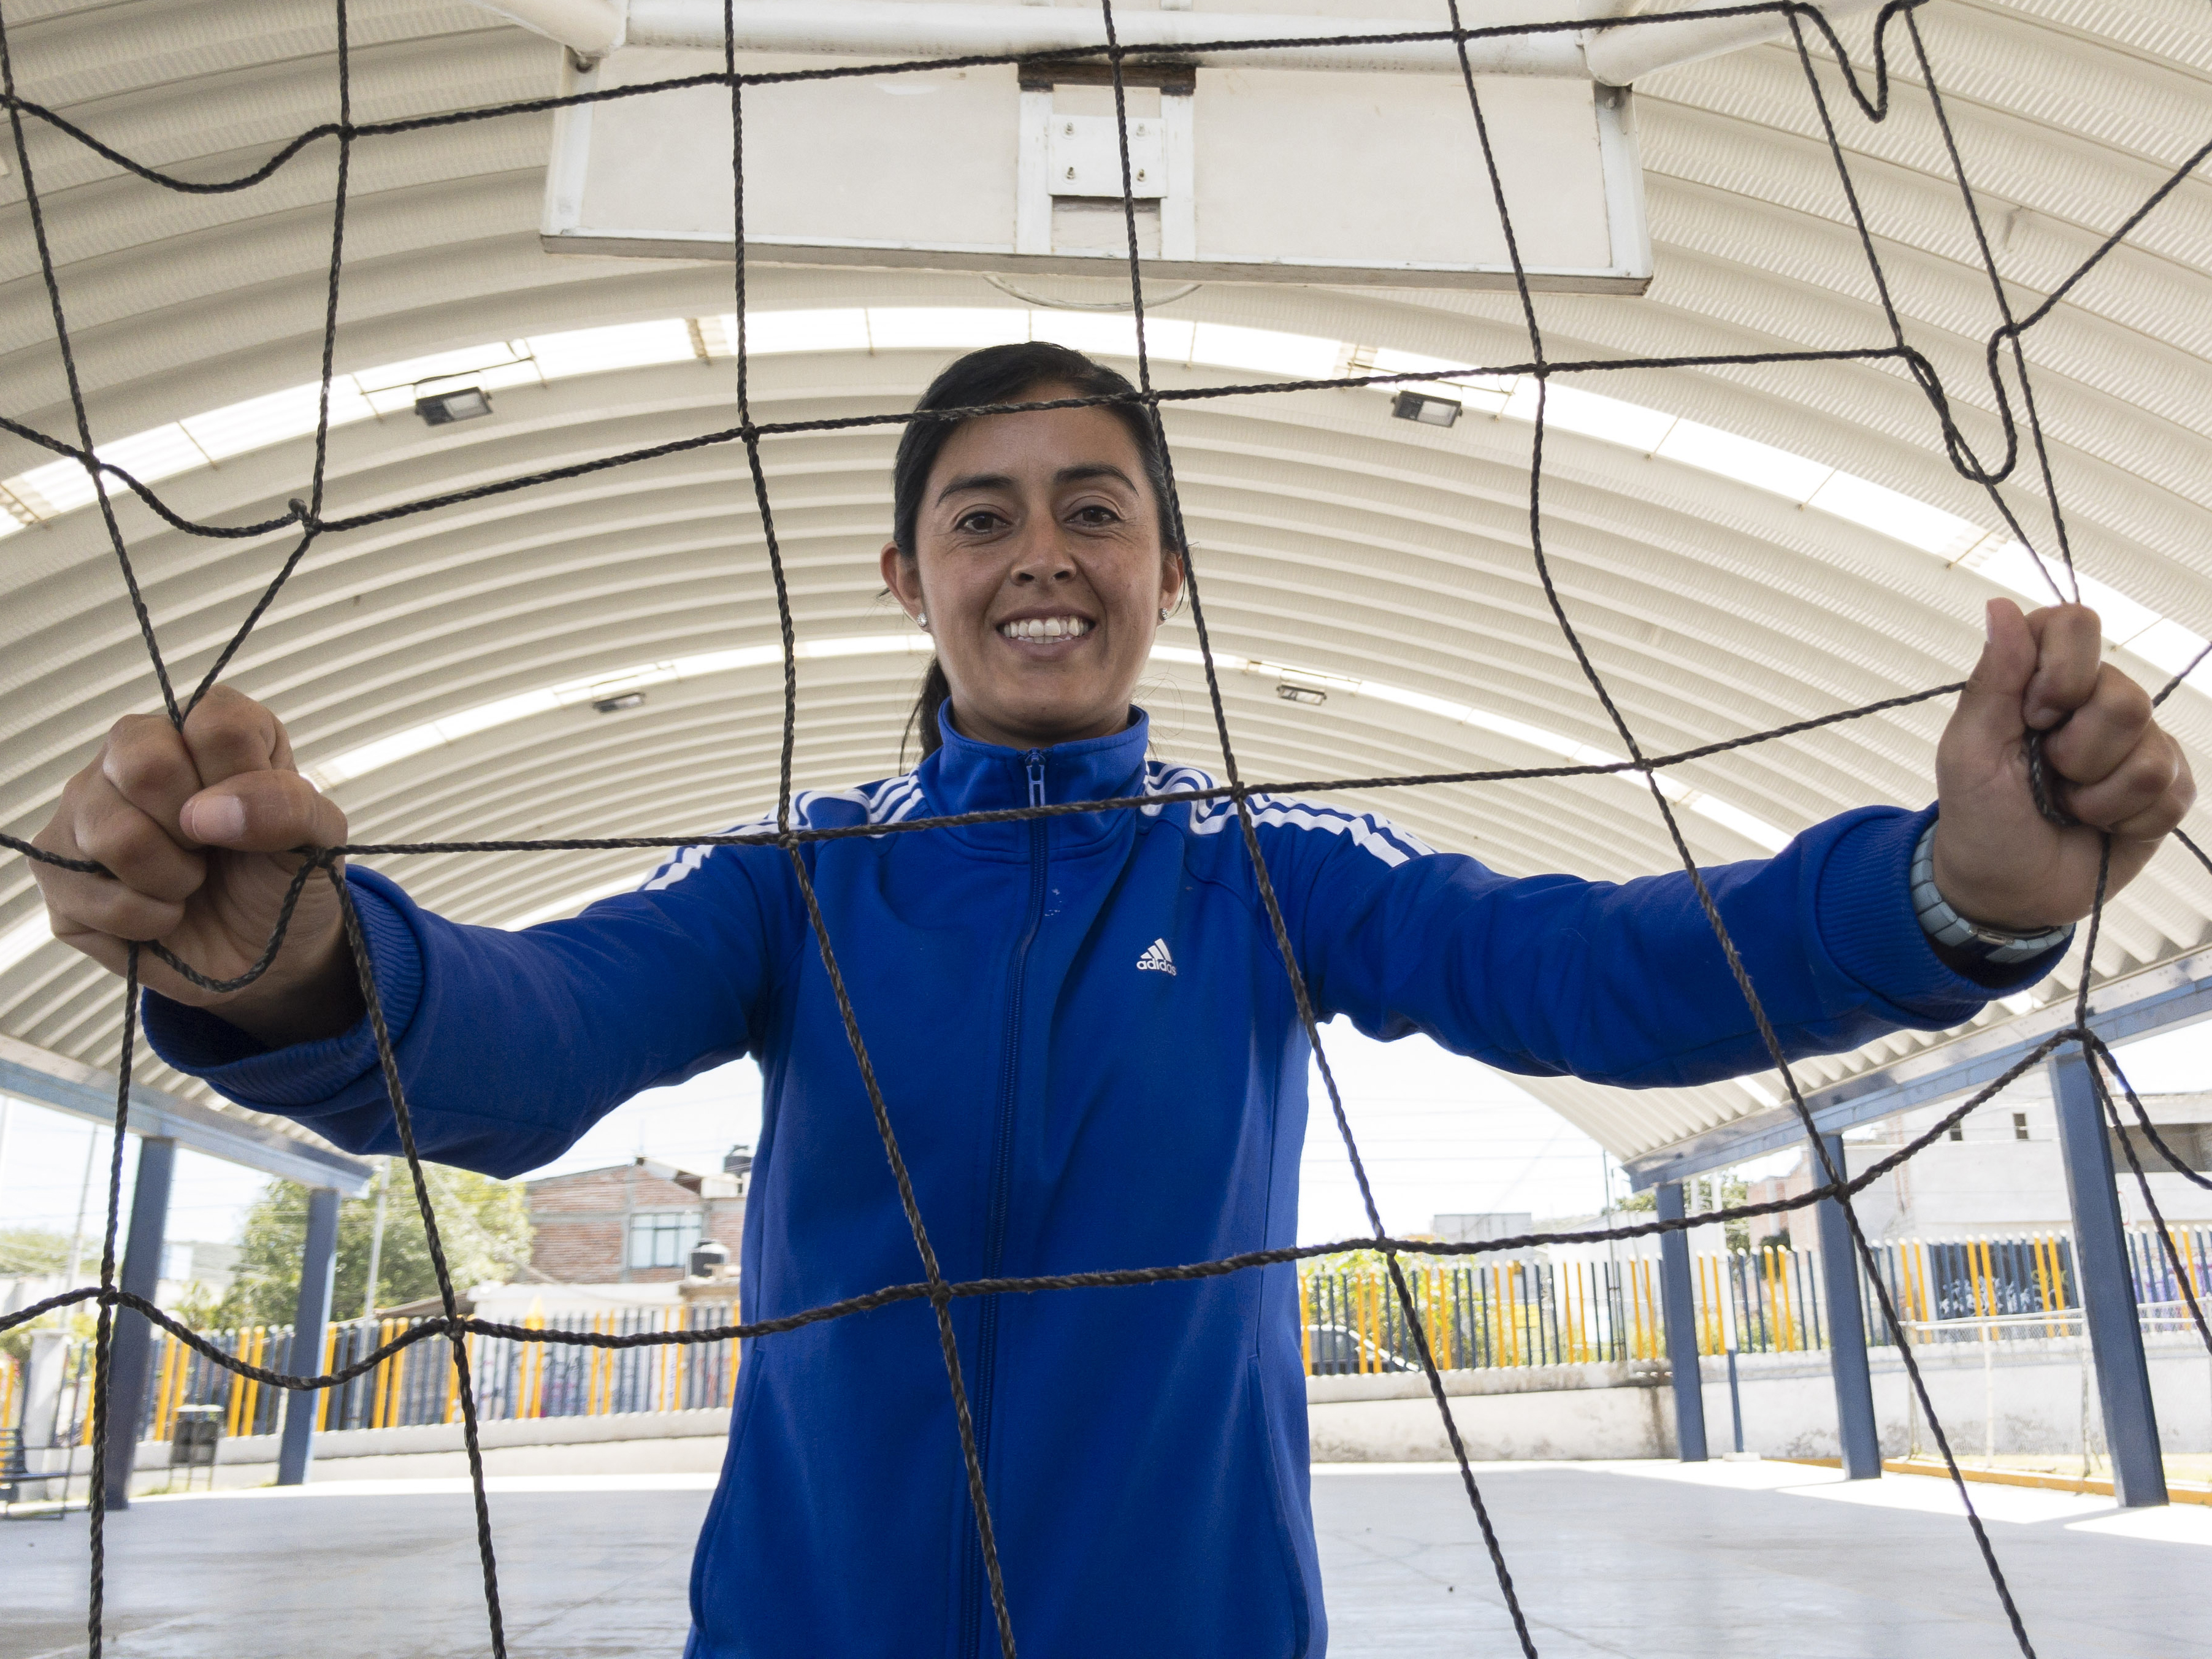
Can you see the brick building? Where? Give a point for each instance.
(634, 1223)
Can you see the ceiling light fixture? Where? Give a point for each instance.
(616, 705)
(1305, 694)
(1429, 411)
(463, 404)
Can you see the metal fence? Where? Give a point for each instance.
(1504, 1313)
(1539, 1313)
(1478, 1315)
(417, 1385)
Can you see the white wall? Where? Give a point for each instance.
(2042, 1396)
(1994, 1182)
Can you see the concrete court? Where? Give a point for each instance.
(1655, 1561)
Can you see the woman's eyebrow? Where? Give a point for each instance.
(1083, 472)
(1089, 469)
(976, 481)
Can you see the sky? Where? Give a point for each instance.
(1439, 1134)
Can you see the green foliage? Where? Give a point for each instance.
(1375, 1262)
(484, 1223)
(32, 1250)
(1733, 1192)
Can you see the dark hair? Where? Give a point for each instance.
(1008, 375)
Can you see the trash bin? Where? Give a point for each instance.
(193, 1436)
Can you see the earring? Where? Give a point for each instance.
(921, 620)
(1164, 613)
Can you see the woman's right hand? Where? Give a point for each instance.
(197, 828)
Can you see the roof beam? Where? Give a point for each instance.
(902, 28)
(70, 1085)
(2173, 993)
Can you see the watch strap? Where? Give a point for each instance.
(1999, 946)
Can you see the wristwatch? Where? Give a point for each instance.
(1998, 946)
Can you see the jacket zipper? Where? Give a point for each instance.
(974, 1594)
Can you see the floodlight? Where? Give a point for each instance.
(1305, 694)
(463, 404)
(1429, 411)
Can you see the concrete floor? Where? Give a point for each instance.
(1659, 1561)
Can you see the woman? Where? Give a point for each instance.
(1085, 1034)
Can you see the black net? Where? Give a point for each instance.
(1824, 71)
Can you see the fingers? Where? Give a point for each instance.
(266, 812)
(137, 850)
(2105, 728)
(121, 811)
(147, 766)
(2070, 659)
(1989, 712)
(154, 804)
(2124, 774)
(2144, 796)
(80, 903)
(229, 733)
(253, 801)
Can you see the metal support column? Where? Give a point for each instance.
(1677, 1301)
(1847, 1348)
(310, 1322)
(2106, 1286)
(130, 1355)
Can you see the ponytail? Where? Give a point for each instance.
(922, 722)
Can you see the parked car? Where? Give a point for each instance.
(1339, 1351)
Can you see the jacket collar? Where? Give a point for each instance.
(967, 776)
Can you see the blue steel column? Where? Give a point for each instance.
(1847, 1348)
(130, 1358)
(311, 1318)
(1675, 1297)
(2106, 1286)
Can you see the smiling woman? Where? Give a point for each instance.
(1089, 1026)
(1042, 543)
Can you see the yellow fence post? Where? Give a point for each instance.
(1305, 1326)
(380, 1383)
(162, 1402)
(329, 1364)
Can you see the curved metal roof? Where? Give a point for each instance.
(1330, 537)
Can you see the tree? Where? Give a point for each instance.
(484, 1223)
(32, 1250)
(1733, 1193)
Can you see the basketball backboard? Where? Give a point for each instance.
(1303, 165)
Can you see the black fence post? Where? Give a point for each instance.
(1680, 1311)
(318, 1265)
(1846, 1330)
(2106, 1286)
(129, 1360)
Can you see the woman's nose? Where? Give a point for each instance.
(1041, 559)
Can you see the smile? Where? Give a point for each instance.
(1046, 630)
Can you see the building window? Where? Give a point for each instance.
(662, 1238)
(2020, 1125)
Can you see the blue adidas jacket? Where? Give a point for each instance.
(1092, 1059)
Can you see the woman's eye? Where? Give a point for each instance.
(1095, 515)
(981, 522)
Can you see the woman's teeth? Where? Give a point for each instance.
(1047, 627)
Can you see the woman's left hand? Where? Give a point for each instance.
(1998, 860)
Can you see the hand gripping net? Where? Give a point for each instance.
(1806, 23)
